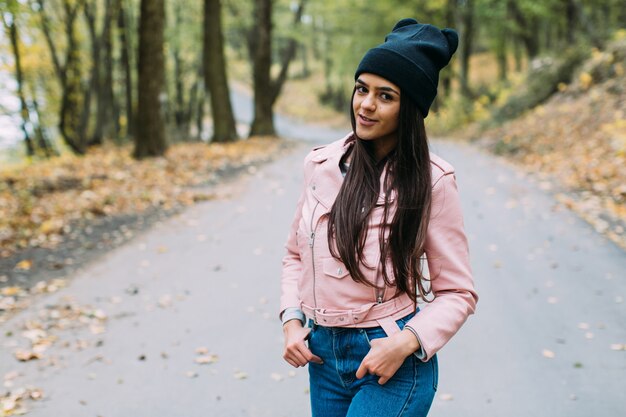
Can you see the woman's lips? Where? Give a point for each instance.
(365, 121)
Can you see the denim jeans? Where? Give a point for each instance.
(336, 392)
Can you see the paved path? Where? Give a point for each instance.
(209, 277)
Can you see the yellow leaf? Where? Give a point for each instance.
(24, 264)
(585, 80)
(10, 291)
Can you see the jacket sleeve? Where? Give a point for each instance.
(292, 264)
(449, 267)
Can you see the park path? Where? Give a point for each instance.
(542, 342)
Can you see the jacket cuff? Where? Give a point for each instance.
(420, 353)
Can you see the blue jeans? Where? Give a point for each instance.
(335, 391)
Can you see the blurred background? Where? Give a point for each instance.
(538, 81)
(115, 114)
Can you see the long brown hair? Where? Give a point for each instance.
(405, 170)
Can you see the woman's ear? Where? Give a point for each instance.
(453, 39)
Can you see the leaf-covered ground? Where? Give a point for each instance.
(577, 142)
(54, 213)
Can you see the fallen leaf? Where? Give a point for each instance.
(24, 265)
(548, 354)
(26, 355)
(10, 291)
(203, 360)
(165, 301)
(277, 377)
(240, 375)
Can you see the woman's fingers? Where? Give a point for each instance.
(295, 355)
(362, 371)
(296, 351)
(314, 358)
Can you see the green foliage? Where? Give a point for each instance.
(542, 81)
(334, 35)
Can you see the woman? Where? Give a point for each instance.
(374, 204)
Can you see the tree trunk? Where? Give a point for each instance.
(110, 114)
(95, 83)
(126, 68)
(446, 75)
(73, 104)
(572, 21)
(263, 123)
(74, 107)
(304, 54)
(517, 52)
(150, 137)
(179, 116)
(467, 40)
(501, 54)
(527, 29)
(215, 79)
(43, 142)
(200, 116)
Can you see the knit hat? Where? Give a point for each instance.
(411, 57)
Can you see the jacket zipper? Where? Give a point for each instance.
(311, 245)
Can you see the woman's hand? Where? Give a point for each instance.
(296, 352)
(387, 354)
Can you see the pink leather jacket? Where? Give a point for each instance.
(319, 284)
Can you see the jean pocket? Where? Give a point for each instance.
(435, 365)
(372, 333)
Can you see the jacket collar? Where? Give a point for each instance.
(327, 177)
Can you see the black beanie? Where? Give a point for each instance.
(411, 57)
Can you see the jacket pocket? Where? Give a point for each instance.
(334, 268)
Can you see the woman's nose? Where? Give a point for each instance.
(369, 102)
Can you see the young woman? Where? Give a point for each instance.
(374, 205)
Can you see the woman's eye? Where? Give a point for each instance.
(386, 97)
(361, 89)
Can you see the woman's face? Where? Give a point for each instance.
(376, 106)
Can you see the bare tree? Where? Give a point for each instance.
(263, 123)
(150, 138)
(215, 79)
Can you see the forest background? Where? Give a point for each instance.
(114, 110)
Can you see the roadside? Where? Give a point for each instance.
(575, 142)
(57, 216)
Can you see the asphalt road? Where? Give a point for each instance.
(540, 344)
